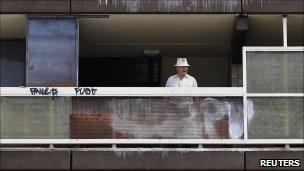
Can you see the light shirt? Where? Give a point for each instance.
(187, 81)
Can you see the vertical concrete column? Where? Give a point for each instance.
(52, 52)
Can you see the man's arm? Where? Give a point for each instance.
(194, 82)
(196, 100)
(168, 82)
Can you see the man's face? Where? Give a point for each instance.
(182, 70)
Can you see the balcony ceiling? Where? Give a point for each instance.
(128, 35)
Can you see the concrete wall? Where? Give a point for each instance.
(34, 6)
(35, 159)
(155, 6)
(145, 158)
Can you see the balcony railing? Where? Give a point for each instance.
(258, 113)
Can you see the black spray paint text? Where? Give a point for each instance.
(85, 91)
(44, 91)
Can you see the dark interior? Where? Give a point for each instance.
(120, 72)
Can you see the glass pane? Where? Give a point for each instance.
(275, 118)
(157, 117)
(52, 47)
(35, 117)
(121, 117)
(275, 72)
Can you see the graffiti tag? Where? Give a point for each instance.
(85, 91)
(44, 91)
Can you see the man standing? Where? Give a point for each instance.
(189, 105)
(181, 79)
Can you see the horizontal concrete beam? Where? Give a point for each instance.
(160, 159)
(34, 6)
(34, 159)
(273, 6)
(155, 6)
(147, 158)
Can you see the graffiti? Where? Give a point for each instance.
(85, 91)
(44, 91)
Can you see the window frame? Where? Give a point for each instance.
(246, 94)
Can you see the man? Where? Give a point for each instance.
(189, 105)
(181, 79)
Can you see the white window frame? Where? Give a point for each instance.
(164, 92)
(246, 95)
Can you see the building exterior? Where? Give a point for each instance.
(82, 84)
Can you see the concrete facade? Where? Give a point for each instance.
(34, 159)
(157, 6)
(140, 158)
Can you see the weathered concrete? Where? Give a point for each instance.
(145, 158)
(35, 6)
(273, 6)
(162, 159)
(188, 6)
(149, 6)
(33, 158)
(155, 6)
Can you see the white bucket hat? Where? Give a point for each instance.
(181, 62)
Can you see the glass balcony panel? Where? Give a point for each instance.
(157, 117)
(121, 117)
(35, 117)
(275, 72)
(275, 118)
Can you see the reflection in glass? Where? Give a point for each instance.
(275, 72)
(275, 118)
(157, 117)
